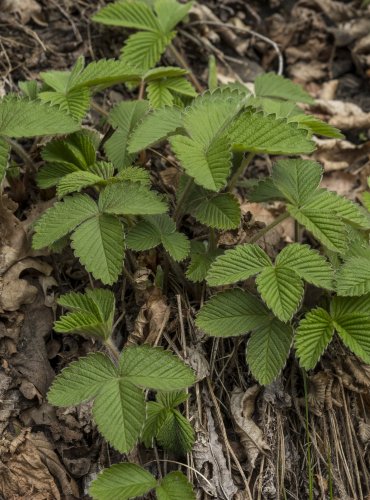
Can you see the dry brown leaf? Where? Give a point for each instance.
(242, 407)
(26, 9)
(198, 362)
(15, 291)
(14, 244)
(343, 115)
(337, 154)
(210, 461)
(31, 469)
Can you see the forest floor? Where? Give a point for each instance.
(291, 439)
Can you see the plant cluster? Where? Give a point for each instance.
(109, 206)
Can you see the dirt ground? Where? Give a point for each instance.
(48, 453)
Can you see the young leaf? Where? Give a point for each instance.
(201, 260)
(158, 94)
(154, 368)
(130, 198)
(171, 12)
(153, 230)
(62, 218)
(82, 380)
(255, 132)
(221, 211)
(98, 243)
(238, 264)
(122, 481)
(76, 181)
(74, 103)
(24, 118)
(273, 85)
(124, 117)
(353, 277)
(136, 15)
(307, 263)
(268, 350)
(175, 434)
(145, 48)
(281, 289)
(154, 128)
(232, 313)
(121, 425)
(312, 337)
(175, 486)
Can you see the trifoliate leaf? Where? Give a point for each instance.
(4, 157)
(281, 289)
(353, 277)
(82, 380)
(98, 243)
(136, 15)
(154, 128)
(154, 368)
(62, 218)
(221, 211)
(175, 486)
(124, 117)
(153, 230)
(130, 198)
(259, 133)
(297, 179)
(122, 481)
(232, 313)
(24, 118)
(237, 264)
(268, 350)
(119, 412)
(307, 263)
(273, 85)
(312, 337)
(76, 181)
(170, 13)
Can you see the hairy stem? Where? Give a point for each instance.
(266, 229)
(212, 240)
(243, 165)
(178, 213)
(182, 62)
(112, 349)
(140, 96)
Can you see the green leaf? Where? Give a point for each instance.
(312, 337)
(163, 72)
(50, 174)
(92, 313)
(264, 191)
(201, 259)
(208, 166)
(159, 94)
(349, 212)
(268, 350)
(24, 118)
(343, 306)
(353, 277)
(136, 15)
(175, 486)
(134, 174)
(154, 368)
(175, 433)
(76, 181)
(145, 48)
(154, 128)
(297, 179)
(221, 211)
(308, 264)
(119, 412)
(354, 332)
(231, 313)
(281, 289)
(98, 243)
(62, 218)
(238, 264)
(122, 481)
(258, 133)
(316, 126)
(170, 13)
(273, 85)
(153, 230)
(130, 198)
(102, 73)
(124, 117)
(29, 89)
(74, 103)
(181, 86)
(82, 380)
(77, 150)
(4, 157)
(171, 399)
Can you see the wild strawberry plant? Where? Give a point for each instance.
(109, 205)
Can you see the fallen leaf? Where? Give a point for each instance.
(26, 9)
